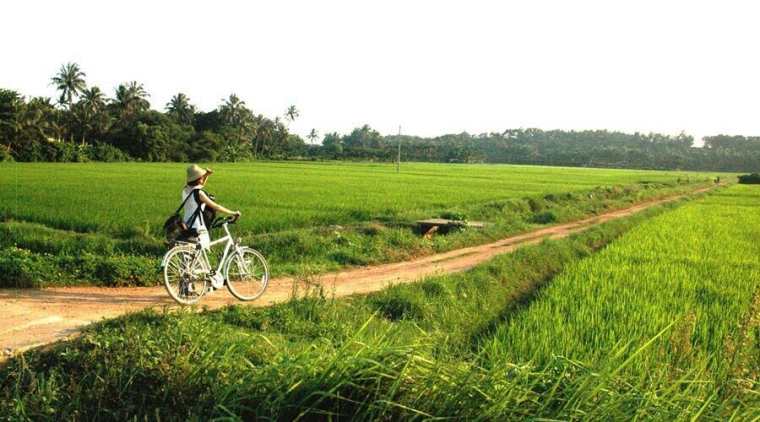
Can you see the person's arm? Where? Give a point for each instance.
(213, 205)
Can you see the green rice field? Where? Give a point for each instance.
(653, 317)
(688, 280)
(98, 223)
(109, 198)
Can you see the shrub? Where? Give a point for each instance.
(5, 154)
(545, 217)
(750, 179)
(535, 204)
(108, 153)
(23, 269)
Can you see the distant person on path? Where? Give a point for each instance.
(193, 216)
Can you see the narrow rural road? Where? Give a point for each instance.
(33, 317)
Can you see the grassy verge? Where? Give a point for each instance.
(34, 255)
(412, 351)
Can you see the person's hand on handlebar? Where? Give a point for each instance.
(234, 216)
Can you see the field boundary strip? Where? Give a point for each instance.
(68, 309)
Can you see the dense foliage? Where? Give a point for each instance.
(674, 340)
(589, 148)
(85, 124)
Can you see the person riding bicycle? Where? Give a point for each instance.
(196, 181)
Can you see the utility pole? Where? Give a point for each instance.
(398, 155)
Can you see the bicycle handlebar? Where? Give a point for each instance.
(226, 220)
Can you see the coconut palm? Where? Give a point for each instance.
(313, 135)
(180, 109)
(91, 112)
(39, 119)
(11, 108)
(131, 99)
(139, 94)
(234, 111)
(70, 81)
(237, 116)
(292, 113)
(265, 130)
(93, 100)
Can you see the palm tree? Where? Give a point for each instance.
(70, 81)
(292, 113)
(93, 100)
(265, 130)
(139, 94)
(180, 108)
(131, 98)
(234, 112)
(91, 111)
(313, 135)
(39, 121)
(11, 108)
(236, 115)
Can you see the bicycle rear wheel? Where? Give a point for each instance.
(247, 274)
(184, 277)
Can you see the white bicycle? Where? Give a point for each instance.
(188, 272)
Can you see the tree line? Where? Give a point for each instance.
(588, 148)
(85, 124)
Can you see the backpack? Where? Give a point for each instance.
(176, 229)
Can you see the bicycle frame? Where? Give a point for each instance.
(202, 252)
(230, 242)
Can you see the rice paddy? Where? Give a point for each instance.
(112, 198)
(99, 223)
(650, 317)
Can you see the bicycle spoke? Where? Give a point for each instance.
(181, 277)
(247, 275)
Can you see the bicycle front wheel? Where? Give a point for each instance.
(247, 274)
(184, 277)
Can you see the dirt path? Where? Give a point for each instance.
(32, 317)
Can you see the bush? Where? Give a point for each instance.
(535, 204)
(108, 153)
(23, 269)
(750, 179)
(5, 154)
(545, 217)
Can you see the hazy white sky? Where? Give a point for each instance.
(433, 67)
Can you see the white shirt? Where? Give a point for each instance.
(191, 206)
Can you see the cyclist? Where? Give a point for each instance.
(196, 180)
